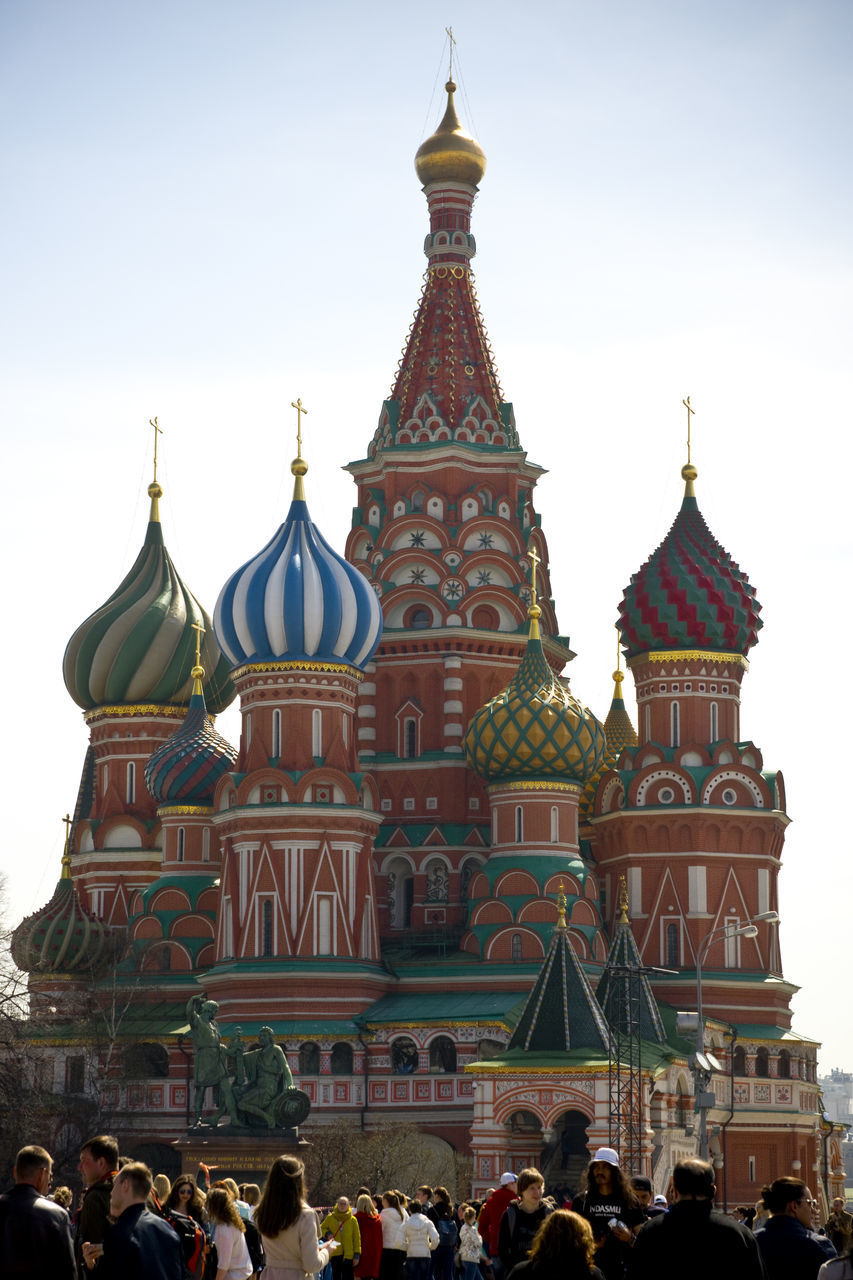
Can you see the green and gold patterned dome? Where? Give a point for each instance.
(534, 728)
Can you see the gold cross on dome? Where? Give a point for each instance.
(449, 31)
(67, 821)
(158, 431)
(535, 558)
(690, 412)
(297, 405)
(198, 628)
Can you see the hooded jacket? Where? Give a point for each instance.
(343, 1227)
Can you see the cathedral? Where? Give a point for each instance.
(458, 898)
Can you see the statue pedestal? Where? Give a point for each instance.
(242, 1154)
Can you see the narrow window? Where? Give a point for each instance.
(316, 732)
(672, 958)
(647, 719)
(324, 926)
(751, 1163)
(345, 730)
(410, 730)
(519, 824)
(674, 724)
(266, 928)
(715, 722)
(181, 840)
(105, 778)
(205, 845)
(276, 734)
(248, 730)
(131, 783)
(515, 947)
(494, 826)
(732, 945)
(555, 824)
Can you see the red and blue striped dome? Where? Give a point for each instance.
(690, 593)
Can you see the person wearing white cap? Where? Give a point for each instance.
(610, 1206)
(490, 1219)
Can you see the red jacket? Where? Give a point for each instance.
(370, 1225)
(490, 1218)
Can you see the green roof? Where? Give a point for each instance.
(444, 1007)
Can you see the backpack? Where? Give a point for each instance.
(192, 1240)
(257, 1257)
(446, 1228)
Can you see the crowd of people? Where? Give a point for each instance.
(131, 1225)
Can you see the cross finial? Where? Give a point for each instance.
(158, 431)
(622, 901)
(198, 628)
(561, 906)
(449, 31)
(690, 413)
(66, 850)
(297, 405)
(534, 558)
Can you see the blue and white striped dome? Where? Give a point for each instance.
(298, 600)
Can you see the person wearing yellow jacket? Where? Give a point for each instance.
(341, 1225)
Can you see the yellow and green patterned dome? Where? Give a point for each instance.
(534, 728)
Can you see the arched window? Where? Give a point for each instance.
(417, 500)
(762, 1062)
(515, 947)
(105, 778)
(494, 826)
(404, 1056)
(341, 1061)
(205, 845)
(715, 722)
(146, 1061)
(266, 928)
(248, 730)
(309, 1059)
(276, 734)
(519, 824)
(420, 619)
(647, 721)
(672, 957)
(316, 732)
(182, 835)
(740, 1061)
(784, 1065)
(442, 1054)
(131, 782)
(674, 727)
(555, 824)
(410, 738)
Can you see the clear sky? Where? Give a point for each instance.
(210, 209)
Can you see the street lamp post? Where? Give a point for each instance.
(704, 1064)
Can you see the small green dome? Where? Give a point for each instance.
(534, 728)
(64, 937)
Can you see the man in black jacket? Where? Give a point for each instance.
(139, 1245)
(35, 1233)
(694, 1239)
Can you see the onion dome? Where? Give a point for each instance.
(64, 937)
(534, 728)
(690, 593)
(138, 647)
(297, 600)
(187, 766)
(619, 733)
(450, 154)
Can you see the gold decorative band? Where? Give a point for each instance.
(185, 811)
(532, 785)
(253, 668)
(161, 711)
(689, 655)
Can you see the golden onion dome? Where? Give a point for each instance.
(450, 154)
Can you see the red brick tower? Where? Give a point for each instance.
(442, 531)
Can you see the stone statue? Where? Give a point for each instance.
(267, 1079)
(211, 1066)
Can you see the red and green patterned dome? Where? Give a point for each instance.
(690, 593)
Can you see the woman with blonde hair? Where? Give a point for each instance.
(229, 1236)
(370, 1230)
(562, 1249)
(288, 1226)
